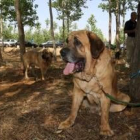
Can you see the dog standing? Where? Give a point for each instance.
(41, 59)
(94, 75)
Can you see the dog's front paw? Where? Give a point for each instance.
(66, 124)
(107, 132)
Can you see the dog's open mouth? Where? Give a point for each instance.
(74, 67)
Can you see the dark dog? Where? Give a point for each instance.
(41, 59)
(91, 65)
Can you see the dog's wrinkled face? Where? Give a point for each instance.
(47, 56)
(73, 55)
(82, 47)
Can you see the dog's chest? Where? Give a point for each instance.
(89, 87)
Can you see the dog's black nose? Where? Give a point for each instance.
(64, 52)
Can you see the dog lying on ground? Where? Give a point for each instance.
(41, 59)
(94, 75)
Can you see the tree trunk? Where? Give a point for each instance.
(123, 23)
(68, 18)
(118, 23)
(51, 28)
(135, 64)
(1, 31)
(68, 25)
(110, 23)
(63, 19)
(63, 27)
(1, 59)
(20, 28)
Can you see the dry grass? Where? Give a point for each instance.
(32, 110)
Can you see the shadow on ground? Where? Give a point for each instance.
(32, 110)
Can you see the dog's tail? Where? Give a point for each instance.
(119, 107)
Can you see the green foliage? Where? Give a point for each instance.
(9, 32)
(131, 4)
(69, 10)
(75, 27)
(121, 39)
(40, 35)
(36, 33)
(121, 36)
(92, 27)
(92, 22)
(29, 34)
(128, 5)
(28, 11)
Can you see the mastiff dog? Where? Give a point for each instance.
(94, 75)
(40, 59)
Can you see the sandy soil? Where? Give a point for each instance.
(32, 110)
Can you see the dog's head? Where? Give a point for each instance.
(46, 55)
(82, 48)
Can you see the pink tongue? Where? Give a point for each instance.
(69, 68)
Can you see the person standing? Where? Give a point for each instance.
(129, 29)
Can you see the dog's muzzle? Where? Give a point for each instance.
(64, 53)
(74, 63)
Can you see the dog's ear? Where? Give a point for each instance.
(44, 54)
(96, 44)
(51, 54)
(47, 55)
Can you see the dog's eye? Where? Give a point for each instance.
(77, 42)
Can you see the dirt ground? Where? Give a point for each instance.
(32, 110)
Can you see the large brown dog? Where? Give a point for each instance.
(41, 59)
(91, 64)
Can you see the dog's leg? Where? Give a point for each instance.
(43, 73)
(78, 96)
(26, 72)
(34, 72)
(105, 128)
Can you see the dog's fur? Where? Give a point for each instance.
(40, 59)
(94, 74)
